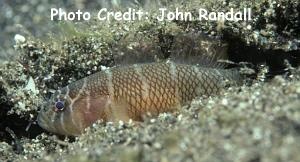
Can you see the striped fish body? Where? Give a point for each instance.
(130, 92)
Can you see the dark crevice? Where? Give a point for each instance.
(239, 51)
(16, 124)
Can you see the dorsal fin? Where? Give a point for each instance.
(136, 49)
(200, 60)
(187, 48)
(198, 49)
(134, 58)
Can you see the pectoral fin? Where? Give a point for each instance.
(118, 111)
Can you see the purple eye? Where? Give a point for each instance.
(59, 105)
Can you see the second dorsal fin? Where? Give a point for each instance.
(198, 49)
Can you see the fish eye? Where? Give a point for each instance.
(59, 105)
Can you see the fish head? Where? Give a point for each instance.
(55, 114)
(68, 114)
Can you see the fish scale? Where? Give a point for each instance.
(130, 92)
